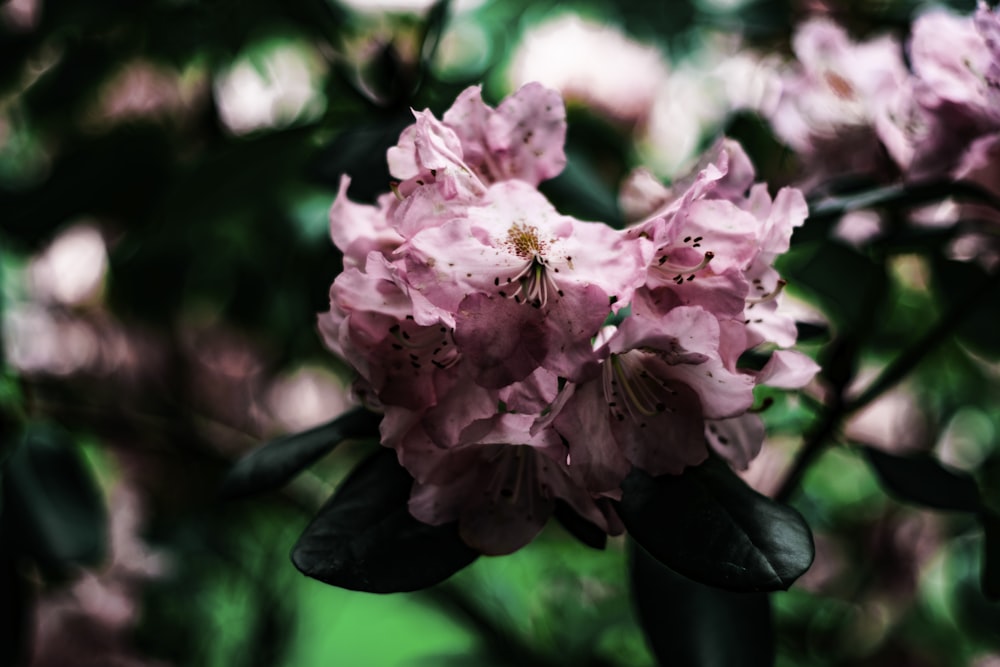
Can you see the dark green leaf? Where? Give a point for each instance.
(687, 623)
(365, 539)
(15, 613)
(811, 331)
(980, 328)
(359, 152)
(990, 576)
(842, 279)
(773, 160)
(707, 524)
(923, 480)
(579, 527)
(273, 464)
(580, 192)
(56, 512)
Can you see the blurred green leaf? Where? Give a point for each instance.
(277, 461)
(923, 480)
(687, 623)
(57, 515)
(843, 280)
(980, 328)
(708, 525)
(434, 27)
(120, 175)
(579, 191)
(990, 573)
(811, 331)
(15, 612)
(364, 538)
(359, 152)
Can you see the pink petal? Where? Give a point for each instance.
(788, 369)
(527, 134)
(738, 440)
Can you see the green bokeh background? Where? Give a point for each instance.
(214, 231)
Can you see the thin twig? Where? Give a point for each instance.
(900, 367)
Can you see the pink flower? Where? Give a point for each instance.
(952, 97)
(669, 386)
(475, 316)
(661, 378)
(715, 241)
(833, 96)
(357, 229)
(475, 145)
(392, 335)
(512, 258)
(502, 486)
(950, 59)
(521, 139)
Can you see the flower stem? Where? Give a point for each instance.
(900, 367)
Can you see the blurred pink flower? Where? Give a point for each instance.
(833, 96)
(952, 97)
(593, 64)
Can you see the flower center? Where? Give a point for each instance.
(534, 283)
(840, 86)
(523, 241)
(630, 388)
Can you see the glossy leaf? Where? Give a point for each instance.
(56, 513)
(687, 623)
(365, 539)
(273, 464)
(707, 524)
(923, 480)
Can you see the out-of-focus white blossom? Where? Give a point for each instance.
(21, 15)
(694, 100)
(143, 90)
(306, 397)
(686, 106)
(37, 340)
(407, 6)
(71, 270)
(271, 89)
(892, 422)
(590, 63)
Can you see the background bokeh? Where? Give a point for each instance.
(166, 169)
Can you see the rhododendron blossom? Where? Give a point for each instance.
(834, 96)
(952, 96)
(524, 358)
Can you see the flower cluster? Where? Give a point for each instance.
(524, 358)
(855, 106)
